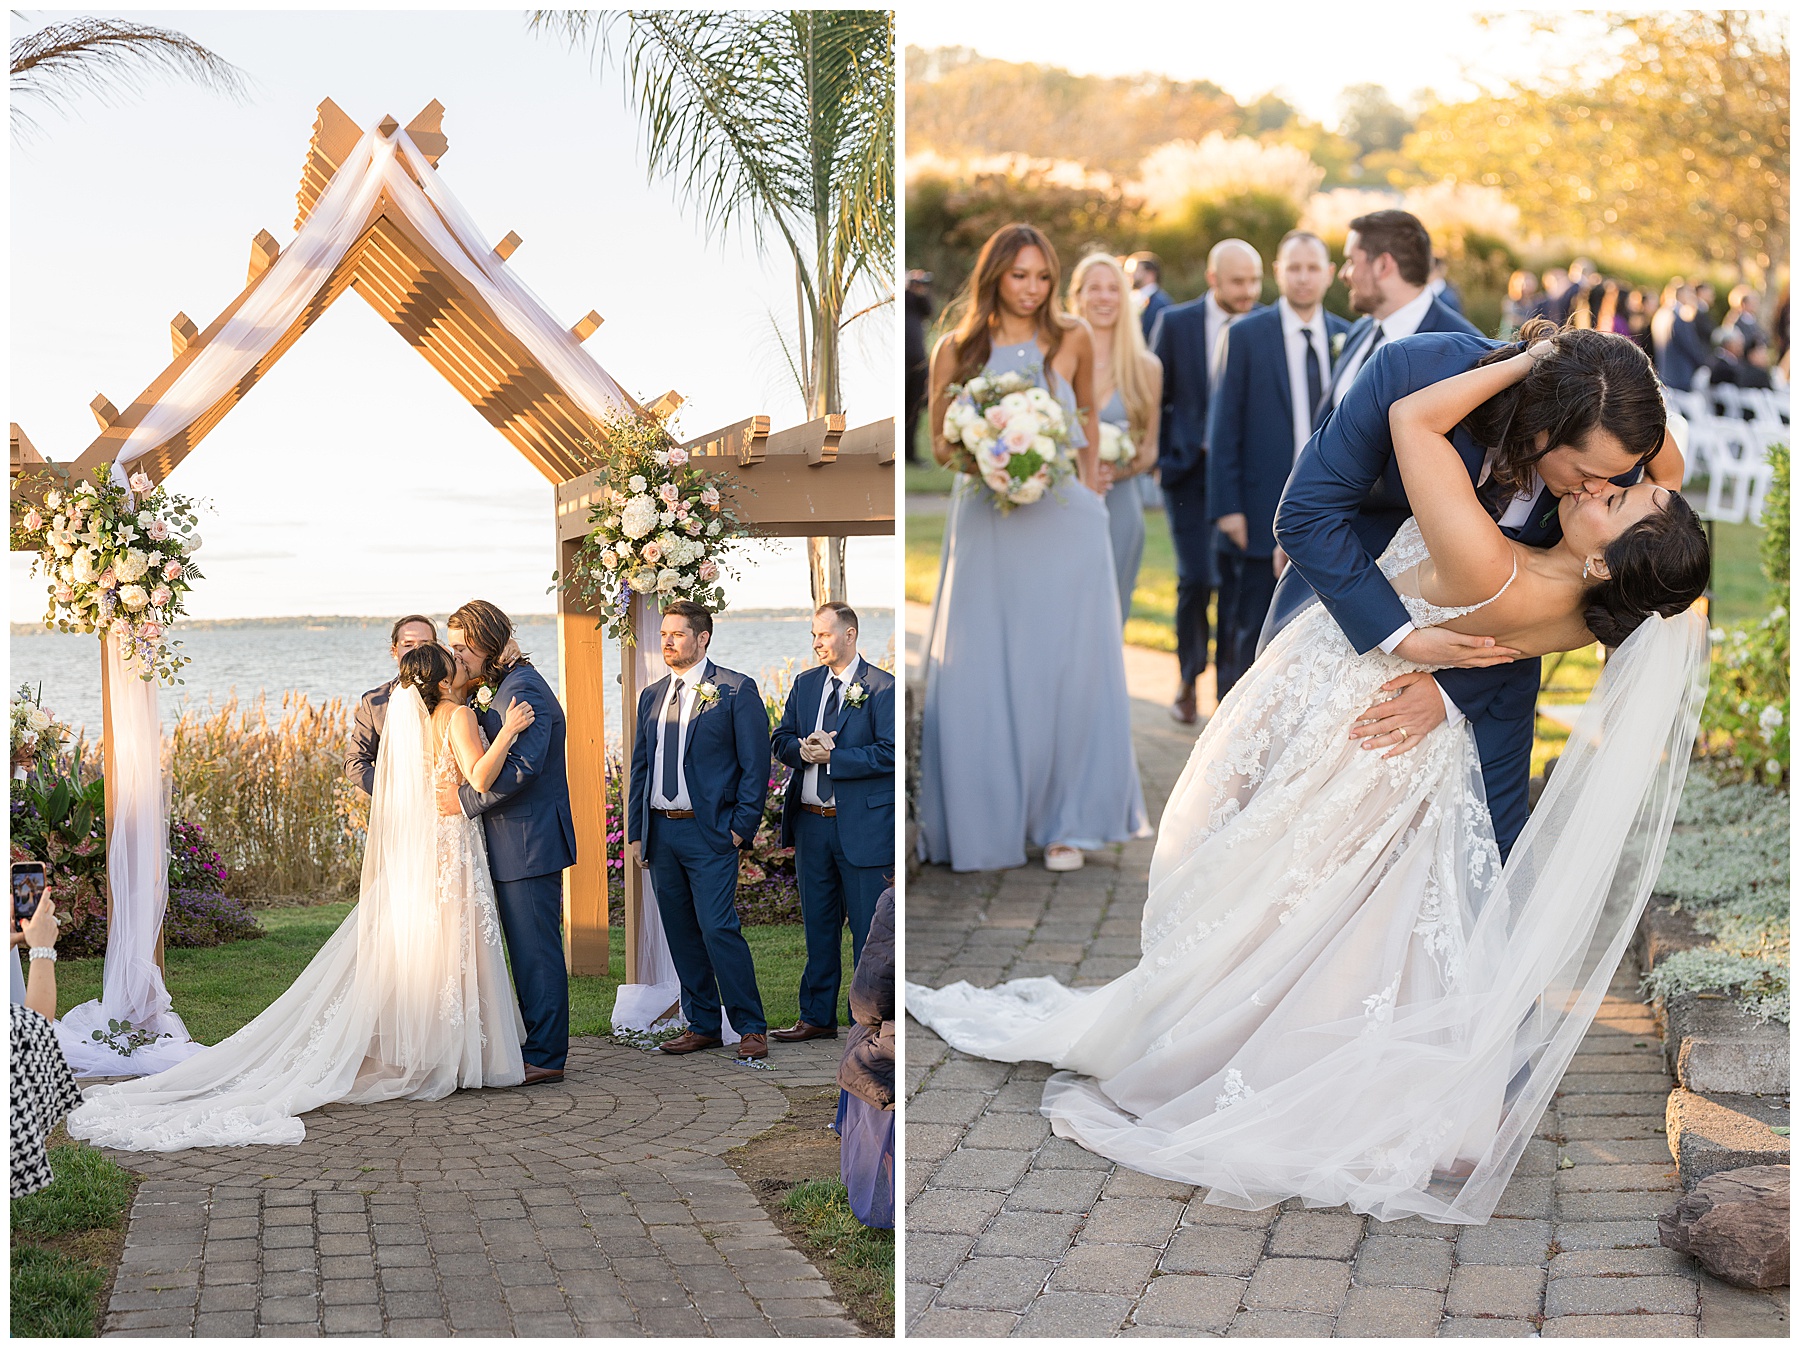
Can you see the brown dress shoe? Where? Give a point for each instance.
(753, 1046)
(689, 1042)
(1185, 710)
(535, 1076)
(800, 1031)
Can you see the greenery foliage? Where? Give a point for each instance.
(62, 1237)
(863, 1256)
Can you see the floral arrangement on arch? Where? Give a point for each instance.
(36, 734)
(660, 528)
(1013, 436)
(119, 563)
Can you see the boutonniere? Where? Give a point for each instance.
(1337, 344)
(706, 694)
(483, 700)
(855, 695)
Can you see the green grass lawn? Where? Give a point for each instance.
(65, 1242)
(864, 1258)
(220, 989)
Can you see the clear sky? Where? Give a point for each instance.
(1306, 51)
(353, 479)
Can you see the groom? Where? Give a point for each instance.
(1345, 502)
(530, 830)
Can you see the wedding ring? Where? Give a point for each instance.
(1402, 732)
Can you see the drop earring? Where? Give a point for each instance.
(1586, 566)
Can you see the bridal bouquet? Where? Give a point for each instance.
(1115, 444)
(660, 528)
(119, 563)
(1013, 436)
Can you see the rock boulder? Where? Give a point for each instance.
(1735, 1224)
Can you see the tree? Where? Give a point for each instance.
(781, 121)
(1371, 119)
(110, 58)
(1672, 131)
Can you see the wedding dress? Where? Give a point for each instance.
(409, 999)
(1342, 997)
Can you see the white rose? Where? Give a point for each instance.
(1029, 490)
(1770, 720)
(712, 529)
(643, 581)
(84, 567)
(1015, 403)
(38, 719)
(666, 519)
(53, 499)
(609, 559)
(134, 597)
(667, 579)
(978, 437)
(190, 545)
(637, 484)
(132, 565)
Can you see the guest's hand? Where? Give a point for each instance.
(1443, 649)
(735, 840)
(636, 850)
(1236, 527)
(1279, 561)
(1403, 721)
(1103, 477)
(449, 803)
(40, 928)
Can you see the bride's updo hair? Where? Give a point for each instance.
(1590, 379)
(1661, 564)
(425, 667)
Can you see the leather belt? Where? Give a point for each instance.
(673, 814)
(829, 811)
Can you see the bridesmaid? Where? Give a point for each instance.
(1026, 737)
(1128, 389)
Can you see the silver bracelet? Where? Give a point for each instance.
(44, 952)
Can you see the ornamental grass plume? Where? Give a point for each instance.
(271, 795)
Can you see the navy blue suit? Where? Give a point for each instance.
(1682, 355)
(1344, 503)
(844, 861)
(693, 863)
(1251, 452)
(1439, 317)
(530, 841)
(1183, 340)
(1153, 308)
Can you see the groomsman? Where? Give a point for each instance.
(1145, 271)
(1277, 364)
(837, 734)
(415, 629)
(699, 776)
(1189, 339)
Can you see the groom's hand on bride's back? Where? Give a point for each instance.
(448, 801)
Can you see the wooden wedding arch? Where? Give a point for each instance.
(822, 480)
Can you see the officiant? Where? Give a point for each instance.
(837, 734)
(415, 629)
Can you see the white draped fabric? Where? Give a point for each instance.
(137, 837)
(644, 1003)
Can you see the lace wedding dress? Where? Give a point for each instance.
(1341, 996)
(409, 999)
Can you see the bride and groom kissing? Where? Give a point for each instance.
(1365, 963)
(463, 757)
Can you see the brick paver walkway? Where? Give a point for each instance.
(597, 1206)
(1012, 1231)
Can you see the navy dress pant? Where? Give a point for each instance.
(1246, 585)
(1192, 534)
(832, 892)
(696, 893)
(531, 918)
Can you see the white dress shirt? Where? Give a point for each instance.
(809, 783)
(683, 686)
(1291, 327)
(1217, 321)
(1403, 322)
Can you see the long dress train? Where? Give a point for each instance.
(1341, 997)
(1027, 723)
(409, 999)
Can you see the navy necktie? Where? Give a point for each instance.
(1369, 354)
(671, 754)
(1315, 383)
(829, 723)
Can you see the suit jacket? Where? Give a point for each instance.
(725, 760)
(530, 828)
(1153, 307)
(365, 737)
(1250, 426)
(861, 770)
(1184, 346)
(1345, 501)
(1440, 317)
(1682, 354)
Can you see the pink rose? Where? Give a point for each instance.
(669, 493)
(172, 571)
(996, 417)
(33, 521)
(65, 594)
(161, 595)
(677, 457)
(107, 580)
(710, 498)
(151, 631)
(692, 528)
(709, 571)
(140, 483)
(158, 530)
(651, 551)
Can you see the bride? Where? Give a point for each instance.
(409, 999)
(1342, 996)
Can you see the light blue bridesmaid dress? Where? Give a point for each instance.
(1125, 516)
(1027, 724)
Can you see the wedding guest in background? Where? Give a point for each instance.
(1128, 387)
(1026, 736)
(36, 936)
(837, 734)
(1277, 366)
(43, 1087)
(1525, 299)
(415, 629)
(918, 366)
(1679, 348)
(1556, 293)
(1189, 340)
(699, 777)
(1781, 336)
(1610, 315)
(1730, 364)
(1704, 297)
(1742, 316)
(1145, 271)
(1574, 306)
(1639, 304)
(1441, 288)
(865, 1118)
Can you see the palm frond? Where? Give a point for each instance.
(111, 59)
